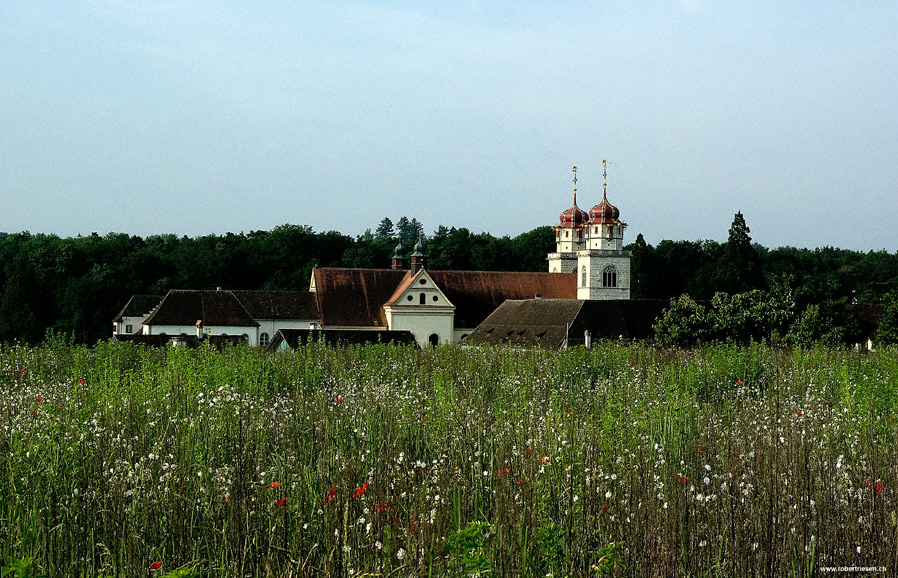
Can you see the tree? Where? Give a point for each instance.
(405, 229)
(385, 228)
(739, 269)
(684, 323)
(887, 331)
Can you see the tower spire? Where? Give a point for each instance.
(575, 184)
(604, 179)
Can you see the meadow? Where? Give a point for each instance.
(622, 460)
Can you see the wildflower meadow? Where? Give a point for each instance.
(622, 460)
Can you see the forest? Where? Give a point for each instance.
(76, 286)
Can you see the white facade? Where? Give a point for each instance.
(250, 333)
(421, 308)
(129, 325)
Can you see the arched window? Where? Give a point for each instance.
(434, 339)
(263, 340)
(423, 299)
(583, 277)
(609, 276)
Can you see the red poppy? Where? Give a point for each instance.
(738, 382)
(800, 414)
(82, 383)
(281, 503)
(357, 493)
(273, 485)
(156, 565)
(339, 399)
(520, 482)
(382, 506)
(331, 493)
(503, 473)
(22, 370)
(878, 487)
(683, 480)
(39, 398)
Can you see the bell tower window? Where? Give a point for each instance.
(583, 277)
(609, 276)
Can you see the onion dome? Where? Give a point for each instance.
(574, 217)
(400, 252)
(604, 213)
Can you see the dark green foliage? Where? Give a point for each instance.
(77, 285)
(739, 268)
(887, 332)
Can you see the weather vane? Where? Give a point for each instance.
(604, 177)
(575, 184)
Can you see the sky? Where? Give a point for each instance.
(205, 117)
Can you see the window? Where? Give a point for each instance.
(609, 276)
(423, 299)
(263, 340)
(583, 278)
(423, 281)
(434, 339)
(129, 329)
(435, 298)
(566, 234)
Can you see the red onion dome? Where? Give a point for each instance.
(574, 217)
(604, 213)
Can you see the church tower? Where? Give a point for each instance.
(570, 237)
(603, 267)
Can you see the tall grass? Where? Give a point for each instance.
(622, 460)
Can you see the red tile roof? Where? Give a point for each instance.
(354, 297)
(476, 294)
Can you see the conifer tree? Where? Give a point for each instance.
(739, 269)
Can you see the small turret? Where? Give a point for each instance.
(400, 263)
(419, 259)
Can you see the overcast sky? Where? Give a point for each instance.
(200, 117)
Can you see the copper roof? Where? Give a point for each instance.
(220, 308)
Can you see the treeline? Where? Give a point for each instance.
(75, 286)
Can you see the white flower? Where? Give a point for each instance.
(707, 467)
(400, 554)
(608, 494)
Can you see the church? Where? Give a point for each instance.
(410, 303)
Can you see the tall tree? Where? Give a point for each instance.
(385, 228)
(739, 268)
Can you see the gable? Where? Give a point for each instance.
(138, 306)
(416, 290)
